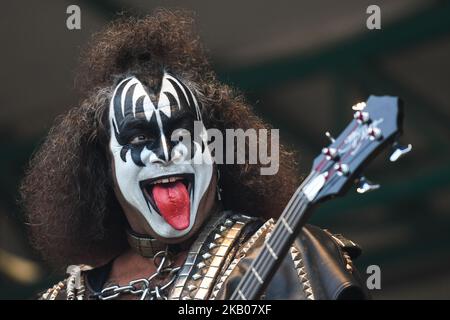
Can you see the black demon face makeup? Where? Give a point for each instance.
(154, 148)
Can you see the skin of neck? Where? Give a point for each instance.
(131, 266)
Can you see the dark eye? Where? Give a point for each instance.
(139, 139)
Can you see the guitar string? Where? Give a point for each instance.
(250, 289)
(291, 207)
(247, 287)
(255, 264)
(263, 260)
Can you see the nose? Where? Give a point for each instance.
(154, 159)
(166, 153)
(160, 152)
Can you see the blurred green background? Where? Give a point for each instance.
(302, 64)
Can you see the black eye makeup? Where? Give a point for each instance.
(135, 131)
(138, 122)
(139, 139)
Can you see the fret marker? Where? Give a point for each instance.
(257, 275)
(271, 251)
(287, 226)
(242, 295)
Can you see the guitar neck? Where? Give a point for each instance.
(275, 248)
(375, 124)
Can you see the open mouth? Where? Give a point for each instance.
(171, 197)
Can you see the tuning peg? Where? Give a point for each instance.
(329, 136)
(361, 116)
(374, 133)
(359, 106)
(399, 151)
(342, 169)
(365, 185)
(330, 153)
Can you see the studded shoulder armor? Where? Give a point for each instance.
(318, 266)
(71, 288)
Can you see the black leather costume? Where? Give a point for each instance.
(317, 266)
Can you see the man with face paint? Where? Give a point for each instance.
(124, 192)
(163, 191)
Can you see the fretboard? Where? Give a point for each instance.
(275, 248)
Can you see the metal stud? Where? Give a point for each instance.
(196, 276)
(206, 256)
(228, 223)
(191, 287)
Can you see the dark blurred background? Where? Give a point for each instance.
(302, 64)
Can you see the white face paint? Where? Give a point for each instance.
(154, 174)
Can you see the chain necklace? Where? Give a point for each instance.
(143, 287)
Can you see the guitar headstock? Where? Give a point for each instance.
(377, 124)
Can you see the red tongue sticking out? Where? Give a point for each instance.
(173, 203)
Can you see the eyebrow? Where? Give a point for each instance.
(177, 114)
(131, 122)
